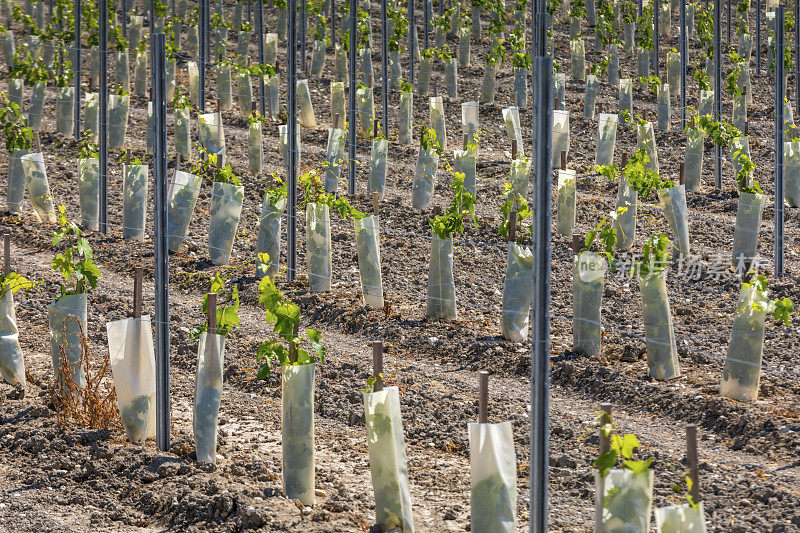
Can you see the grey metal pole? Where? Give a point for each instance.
(426, 18)
(780, 89)
(729, 22)
(203, 44)
(103, 119)
(303, 36)
(796, 57)
(717, 89)
(351, 104)
(260, 29)
(412, 30)
(161, 251)
(385, 63)
(540, 356)
(758, 38)
(656, 34)
(333, 22)
(77, 68)
(291, 141)
(125, 19)
(683, 42)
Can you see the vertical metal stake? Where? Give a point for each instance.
(76, 65)
(412, 31)
(796, 57)
(717, 89)
(291, 131)
(260, 30)
(780, 89)
(303, 36)
(103, 119)
(351, 103)
(161, 252)
(758, 38)
(683, 41)
(656, 34)
(203, 42)
(385, 64)
(540, 363)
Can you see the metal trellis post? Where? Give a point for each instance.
(260, 29)
(303, 36)
(656, 34)
(161, 251)
(717, 89)
(540, 356)
(203, 52)
(103, 119)
(412, 30)
(729, 22)
(291, 141)
(758, 38)
(351, 104)
(385, 63)
(796, 57)
(683, 42)
(426, 18)
(77, 67)
(780, 89)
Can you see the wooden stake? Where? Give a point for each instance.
(512, 226)
(128, 156)
(563, 160)
(6, 253)
(624, 160)
(605, 442)
(691, 460)
(747, 127)
(38, 143)
(177, 162)
(513, 149)
(292, 347)
(138, 278)
(336, 121)
(377, 365)
(374, 129)
(376, 203)
(483, 397)
(682, 175)
(466, 140)
(599, 107)
(556, 102)
(211, 313)
(219, 109)
(577, 243)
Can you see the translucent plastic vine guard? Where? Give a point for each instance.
(424, 178)
(646, 140)
(693, 167)
(212, 135)
(318, 247)
(748, 224)
(742, 371)
(441, 300)
(226, 209)
(118, 108)
(592, 86)
(513, 130)
(306, 115)
(560, 136)
(37, 103)
(35, 174)
(365, 102)
(255, 148)
(207, 395)
(244, 93)
(378, 161)
(625, 222)
(662, 352)
(65, 98)
(67, 320)
(91, 112)
(626, 501)
(297, 403)
(134, 201)
(559, 88)
(577, 54)
(337, 105)
(12, 362)
(488, 83)
(387, 460)
(740, 146)
(587, 293)
(437, 120)
(269, 235)
(673, 203)
(333, 158)
(132, 356)
(791, 172)
(369, 260)
(625, 96)
(663, 105)
(89, 192)
(517, 288)
(565, 210)
(493, 478)
(16, 181)
(519, 175)
(606, 138)
(469, 119)
(406, 119)
(680, 519)
(183, 193)
(466, 162)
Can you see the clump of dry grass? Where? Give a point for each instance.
(93, 406)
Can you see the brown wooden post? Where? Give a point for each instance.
(682, 175)
(577, 243)
(377, 365)
(211, 313)
(605, 442)
(376, 203)
(483, 397)
(691, 460)
(563, 160)
(138, 278)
